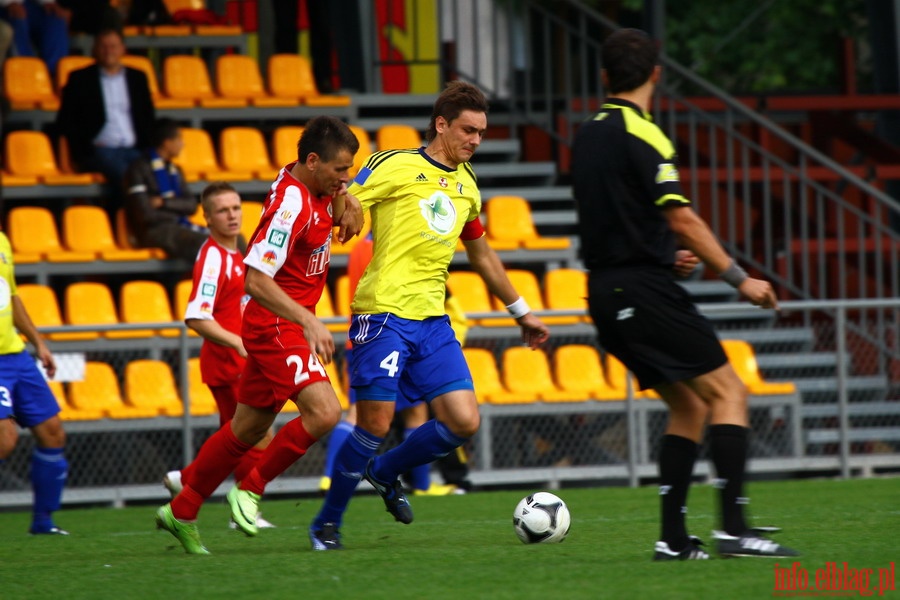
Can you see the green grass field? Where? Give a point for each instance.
(458, 547)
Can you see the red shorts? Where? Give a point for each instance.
(226, 397)
(276, 372)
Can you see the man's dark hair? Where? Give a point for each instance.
(629, 56)
(326, 136)
(456, 97)
(164, 129)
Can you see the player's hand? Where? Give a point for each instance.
(351, 221)
(320, 340)
(47, 360)
(759, 292)
(534, 332)
(242, 352)
(685, 263)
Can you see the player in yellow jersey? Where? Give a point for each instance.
(26, 398)
(422, 201)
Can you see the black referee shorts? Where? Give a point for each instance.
(648, 321)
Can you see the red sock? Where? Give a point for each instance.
(248, 461)
(217, 458)
(289, 444)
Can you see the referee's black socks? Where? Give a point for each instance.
(728, 449)
(676, 464)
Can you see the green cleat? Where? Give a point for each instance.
(244, 509)
(186, 533)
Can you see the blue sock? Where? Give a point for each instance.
(49, 470)
(427, 443)
(421, 475)
(338, 436)
(349, 465)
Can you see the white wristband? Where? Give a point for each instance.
(519, 308)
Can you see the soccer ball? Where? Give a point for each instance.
(541, 518)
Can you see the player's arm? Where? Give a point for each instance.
(348, 214)
(487, 264)
(269, 294)
(211, 330)
(695, 235)
(26, 326)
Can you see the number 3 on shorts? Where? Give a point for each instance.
(297, 362)
(389, 363)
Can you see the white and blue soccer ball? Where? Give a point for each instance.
(541, 518)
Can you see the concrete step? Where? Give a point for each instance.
(774, 340)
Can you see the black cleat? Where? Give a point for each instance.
(750, 543)
(327, 538)
(690, 552)
(394, 499)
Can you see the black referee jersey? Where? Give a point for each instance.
(624, 171)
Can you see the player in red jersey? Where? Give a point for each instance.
(287, 263)
(214, 311)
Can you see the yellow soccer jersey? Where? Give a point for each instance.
(418, 209)
(10, 342)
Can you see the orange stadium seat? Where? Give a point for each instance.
(566, 289)
(43, 308)
(99, 391)
(32, 232)
(244, 149)
(337, 382)
(186, 77)
(126, 241)
(146, 302)
(365, 149)
(149, 384)
(30, 153)
(66, 65)
(526, 284)
(251, 212)
(284, 144)
(291, 76)
(577, 369)
(27, 84)
(342, 297)
(238, 76)
(486, 377)
(201, 398)
(470, 290)
(527, 372)
(87, 229)
(509, 221)
(325, 309)
(91, 303)
(198, 158)
(67, 412)
(743, 359)
(397, 137)
(617, 378)
(160, 100)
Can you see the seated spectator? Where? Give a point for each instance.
(41, 25)
(106, 114)
(157, 200)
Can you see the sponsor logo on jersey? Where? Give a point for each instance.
(459, 188)
(277, 238)
(439, 212)
(269, 258)
(421, 178)
(208, 289)
(206, 307)
(319, 258)
(666, 172)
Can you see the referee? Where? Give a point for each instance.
(633, 218)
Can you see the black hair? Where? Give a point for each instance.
(629, 57)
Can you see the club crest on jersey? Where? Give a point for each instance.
(442, 182)
(459, 188)
(439, 212)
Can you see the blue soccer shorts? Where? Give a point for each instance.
(24, 394)
(416, 360)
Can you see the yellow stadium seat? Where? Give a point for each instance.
(509, 221)
(160, 100)
(27, 84)
(238, 76)
(284, 144)
(91, 303)
(149, 384)
(527, 372)
(67, 412)
(342, 297)
(291, 76)
(525, 282)
(182, 297)
(66, 65)
(43, 308)
(126, 241)
(146, 302)
(617, 378)
(325, 309)
(743, 359)
(30, 153)
(198, 158)
(186, 77)
(202, 400)
(338, 384)
(470, 290)
(397, 137)
(251, 213)
(486, 377)
(566, 289)
(244, 149)
(87, 229)
(10, 180)
(365, 149)
(577, 369)
(99, 391)
(32, 231)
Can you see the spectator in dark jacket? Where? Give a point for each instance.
(157, 200)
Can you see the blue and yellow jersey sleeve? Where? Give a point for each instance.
(10, 341)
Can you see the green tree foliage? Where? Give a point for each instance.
(753, 46)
